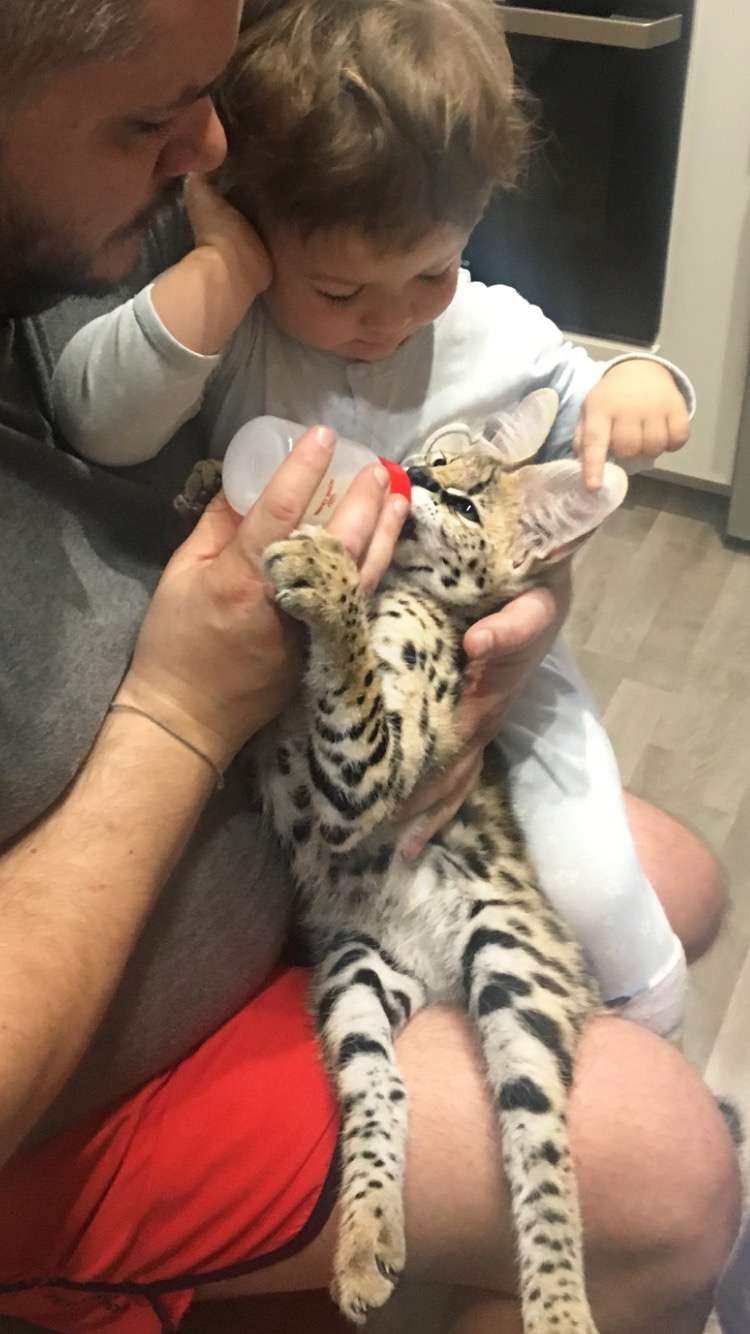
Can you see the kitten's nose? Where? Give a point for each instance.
(419, 477)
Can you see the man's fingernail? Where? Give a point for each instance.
(325, 437)
(381, 475)
(481, 643)
(400, 506)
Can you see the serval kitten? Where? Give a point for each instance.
(467, 924)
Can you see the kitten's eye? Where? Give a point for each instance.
(439, 462)
(462, 505)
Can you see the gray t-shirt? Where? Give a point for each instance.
(81, 549)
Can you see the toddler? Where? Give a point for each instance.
(365, 138)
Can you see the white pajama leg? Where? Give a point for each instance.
(568, 799)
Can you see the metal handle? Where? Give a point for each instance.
(637, 34)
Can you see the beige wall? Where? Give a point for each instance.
(706, 321)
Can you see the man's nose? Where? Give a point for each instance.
(199, 145)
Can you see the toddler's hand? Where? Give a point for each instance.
(636, 410)
(220, 227)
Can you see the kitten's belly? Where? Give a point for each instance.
(417, 916)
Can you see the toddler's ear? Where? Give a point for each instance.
(520, 433)
(558, 510)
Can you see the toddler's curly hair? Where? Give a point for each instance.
(392, 116)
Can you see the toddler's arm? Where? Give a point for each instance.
(127, 381)
(636, 405)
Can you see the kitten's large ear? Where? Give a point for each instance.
(519, 434)
(558, 510)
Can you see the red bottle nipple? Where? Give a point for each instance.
(399, 481)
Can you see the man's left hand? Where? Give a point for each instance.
(502, 650)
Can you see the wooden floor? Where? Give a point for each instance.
(660, 626)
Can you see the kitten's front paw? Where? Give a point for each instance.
(315, 578)
(370, 1256)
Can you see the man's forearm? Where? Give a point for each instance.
(74, 894)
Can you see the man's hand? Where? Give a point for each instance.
(215, 659)
(503, 649)
(636, 410)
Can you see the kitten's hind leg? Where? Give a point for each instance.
(200, 488)
(527, 998)
(361, 1000)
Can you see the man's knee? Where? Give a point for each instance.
(659, 1173)
(684, 872)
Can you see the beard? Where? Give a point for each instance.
(40, 266)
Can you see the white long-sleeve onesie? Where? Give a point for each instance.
(124, 385)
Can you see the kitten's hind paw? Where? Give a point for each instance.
(315, 578)
(369, 1259)
(200, 488)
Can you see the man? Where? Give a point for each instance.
(164, 1122)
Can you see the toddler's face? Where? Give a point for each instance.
(339, 292)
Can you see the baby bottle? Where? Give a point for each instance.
(258, 448)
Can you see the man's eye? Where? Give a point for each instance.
(150, 127)
(462, 505)
(437, 277)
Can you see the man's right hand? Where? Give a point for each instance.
(215, 659)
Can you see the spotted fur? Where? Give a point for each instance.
(468, 924)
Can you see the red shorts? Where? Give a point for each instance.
(221, 1166)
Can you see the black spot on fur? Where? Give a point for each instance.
(549, 1033)
(326, 1004)
(382, 860)
(334, 835)
(493, 997)
(481, 904)
(478, 940)
(476, 864)
(340, 800)
(301, 830)
(358, 1044)
(301, 797)
(402, 999)
(327, 733)
(367, 977)
(517, 986)
(523, 1095)
(348, 957)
